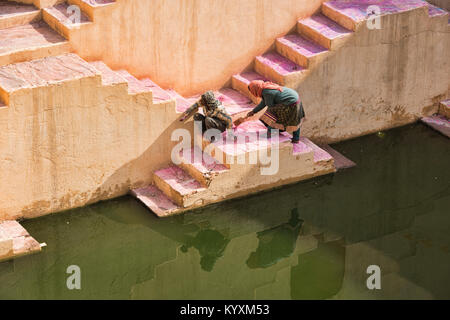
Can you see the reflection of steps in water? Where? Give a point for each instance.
(230, 277)
(388, 253)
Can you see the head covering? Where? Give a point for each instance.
(256, 87)
(210, 101)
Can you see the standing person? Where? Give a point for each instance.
(214, 116)
(285, 110)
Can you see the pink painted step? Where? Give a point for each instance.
(200, 165)
(136, 86)
(22, 242)
(351, 14)
(301, 147)
(177, 184)
(434, 11)
(159, 94)
(42, 72)
(15, 14)
(323, 31)
(250, 137)
(438, 123)
(278, 68)
(156, 200)
(65, 17)
(31, 41)
(109, 77)
(300, 50)
(234, 101)
(202, 162)
(182, 103)
(241, 81)
(319, 154)
(91, 6)
(98, 3)
(340, 161)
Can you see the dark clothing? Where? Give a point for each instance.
(285, 110)
(212, 108)
(295, 134)
(210, 123)
(271, 98)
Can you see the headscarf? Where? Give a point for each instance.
(210, 101)
(256, 87)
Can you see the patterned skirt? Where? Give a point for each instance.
(284, 117)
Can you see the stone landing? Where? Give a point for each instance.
(15, 241)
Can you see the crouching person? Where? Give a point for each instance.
(214, 114)
(285, 110)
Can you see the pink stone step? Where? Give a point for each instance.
(278, 68)
(200, 165)
(323, 31)
(438, 123)
(15, 14)
(250, 136)
(202, 162)
(65, 17)
(22, 242)
(234, 101)
(91, 6)
(109, 77)
(434, 11)
(28, 42)
(241, 81)
(98, 3)
(350, 14)
(300, 147)
(319, 154)
(182, 103)
(299, 49)
(159, 94)
(340, 161)
(177, 184)
(42, 72)
(136, 86)
(156, 200)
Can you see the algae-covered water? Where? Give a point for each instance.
(312, 240)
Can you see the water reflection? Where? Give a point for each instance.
(276, 243)
(311, 240)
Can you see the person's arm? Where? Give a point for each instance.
(257, 109)
(227, 120)
(189, 112)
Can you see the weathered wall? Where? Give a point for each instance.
(78, 142)
(189, 45)
(72, 144)
(380, 79)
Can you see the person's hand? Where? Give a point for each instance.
(250, 114)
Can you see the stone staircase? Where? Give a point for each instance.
(36, 54)
(195, 183)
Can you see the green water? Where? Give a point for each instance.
(312, 240)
